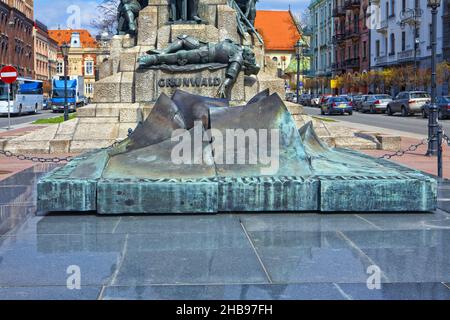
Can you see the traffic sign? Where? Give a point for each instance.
(8, 74)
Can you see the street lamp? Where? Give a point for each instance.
(65, 52)
(434, 131)
(298, 51)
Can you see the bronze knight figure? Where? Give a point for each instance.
(187, 50)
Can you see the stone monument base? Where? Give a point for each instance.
(310, 176)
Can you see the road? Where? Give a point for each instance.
(415, 125)
(26, 118)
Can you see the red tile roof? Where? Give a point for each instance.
(278, 30)
(61, 36)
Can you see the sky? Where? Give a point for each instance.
(64, 13)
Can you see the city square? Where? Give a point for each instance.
(225, 150)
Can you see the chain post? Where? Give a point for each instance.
(439, 154)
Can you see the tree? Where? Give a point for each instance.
(107, 18)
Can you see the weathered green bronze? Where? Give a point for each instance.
(127, 14)
(184, 11)
(140, 176)
(246, 16)
(188, 53)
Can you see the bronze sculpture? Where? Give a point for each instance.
(184, 11)
(248, 8)
(127, 14)
(187, 51)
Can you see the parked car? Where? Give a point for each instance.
(315, 101)
(340, 105)
(290, 96)
(323, 99)
(355, 99)
(357, 104)
(443, 104)
(305, 99)
(375, 103)
(408, 102)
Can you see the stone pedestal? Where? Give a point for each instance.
(124, 95)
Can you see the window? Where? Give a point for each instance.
(60, 67)
(392, 7)
(403, 5)
(403, 41)
(377, 48)
(392, 52)
(387, 10)
(89, 89)
(89, 68)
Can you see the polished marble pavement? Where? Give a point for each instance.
(235, 256)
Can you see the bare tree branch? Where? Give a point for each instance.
(107, 16)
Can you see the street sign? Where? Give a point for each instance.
(8, 74)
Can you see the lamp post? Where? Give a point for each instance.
(65, 52)
(434, 131)
(298, 49)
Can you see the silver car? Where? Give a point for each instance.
(375, 103)
(408, 102)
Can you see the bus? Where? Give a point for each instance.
(26, 96)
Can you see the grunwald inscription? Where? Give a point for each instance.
(189, 82)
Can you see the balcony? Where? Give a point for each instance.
(383, 26)
(307, 52)
(381, 60)
(411, 16)
(339, 38)
(352, 33)
(338, 12)
(407, 55)
(337, 66)
(352, 63)
(352, 4)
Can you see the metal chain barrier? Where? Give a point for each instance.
(9, 154)
(411, 148)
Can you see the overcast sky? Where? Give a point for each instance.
(62, 12)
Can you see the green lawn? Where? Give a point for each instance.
(324, 119)
(55, 120)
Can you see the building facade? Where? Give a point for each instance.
(351, 36)
(16, 36)
(401, 34)
(82, 56)
(41, 51)
(280, 33)
(322, 30)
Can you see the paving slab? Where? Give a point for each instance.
(228, 256)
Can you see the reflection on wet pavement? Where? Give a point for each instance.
(252, 256)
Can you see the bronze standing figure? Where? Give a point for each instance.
(127, 14)
(184, 11)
